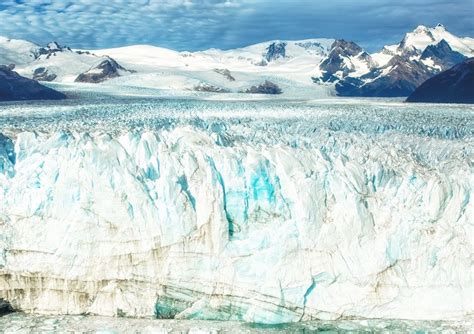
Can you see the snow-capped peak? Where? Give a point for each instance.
(421, 29)
(424, 36)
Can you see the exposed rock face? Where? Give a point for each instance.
(399, 77)
(107, 69)
(42, 74)
(267, 87)
(442, 54)
(455, 85)
(205, 87)
(225, 72)
(315, 46)
(15, 87)
(275, 51)
(261, 63)
(338, 64)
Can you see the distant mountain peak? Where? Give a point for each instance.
(276, 50)
(442, 54)
(53, 45)
(421, 29)
(400, 68)
(344, 58)
(425, 29)
(50, 50)
(106, 69)
(347, 47)
(423, 36)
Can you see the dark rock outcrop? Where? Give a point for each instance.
(79, 52)
(50, 50)
(5, 307)
(14, 87)
(443, 55)
(455, 85)
(42, 74)
(318, 48)
(205, 87)
(399, 77)
(225, 72)
(275, 50)
(107, 69)
(267, 87)
(261, 63)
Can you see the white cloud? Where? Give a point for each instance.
(198, 24)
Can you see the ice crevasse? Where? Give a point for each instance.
(183, 223)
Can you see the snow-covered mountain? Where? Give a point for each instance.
(313, 67)
(422, 37)
(50, 63)
(397, 70)
(344, 59)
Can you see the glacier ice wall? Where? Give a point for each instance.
(188, 223)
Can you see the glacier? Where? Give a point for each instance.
(265, 212)
(14, 322)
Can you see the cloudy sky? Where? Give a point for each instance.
(201, 24)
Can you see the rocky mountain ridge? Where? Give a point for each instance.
(455, 85)
(421, 54)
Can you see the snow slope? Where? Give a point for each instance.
(15, 51)
(265, 212)
(184, 70)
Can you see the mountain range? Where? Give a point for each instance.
(313, 67)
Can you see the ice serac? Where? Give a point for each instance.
(196, 224)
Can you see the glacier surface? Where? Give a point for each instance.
(248, 211)
(15, 322)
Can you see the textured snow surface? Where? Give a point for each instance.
(265, 212)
